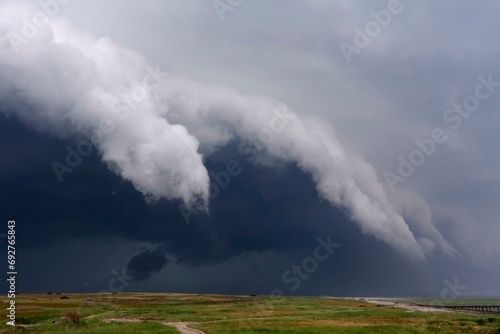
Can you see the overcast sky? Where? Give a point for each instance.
(213, 146)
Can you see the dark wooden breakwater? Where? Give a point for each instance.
(477, 308)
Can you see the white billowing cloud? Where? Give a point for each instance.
(419, 215)
(216, 114)
(64, 80)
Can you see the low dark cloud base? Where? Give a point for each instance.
(144, 264)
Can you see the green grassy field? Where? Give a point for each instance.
(217, 314)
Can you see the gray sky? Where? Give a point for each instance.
(398, 86)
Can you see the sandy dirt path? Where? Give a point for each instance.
(181, 326)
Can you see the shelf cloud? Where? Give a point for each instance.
(155, 129)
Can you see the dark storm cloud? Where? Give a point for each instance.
(261, 211)
(146, 263)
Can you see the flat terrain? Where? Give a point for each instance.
(218, 314)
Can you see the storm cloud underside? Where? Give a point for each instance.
(65, 82)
